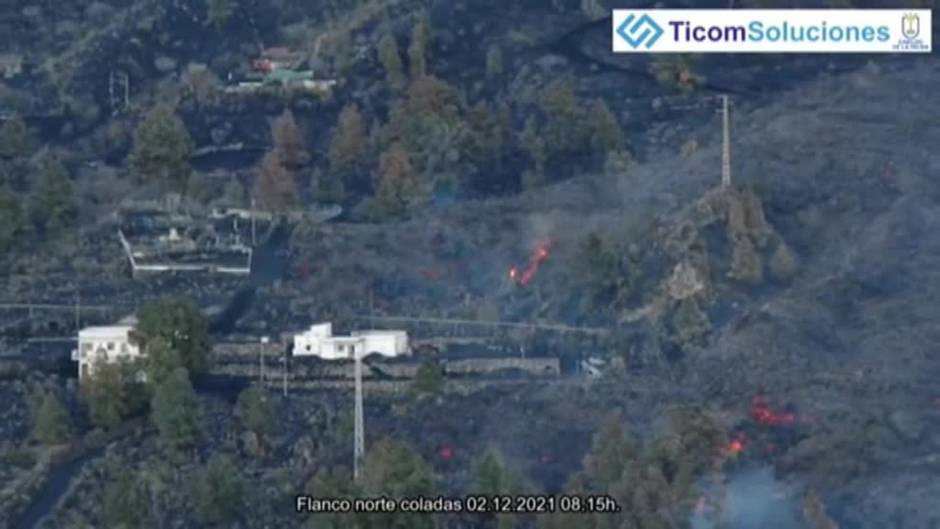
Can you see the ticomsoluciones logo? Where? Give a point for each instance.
(644, 31)
(757, 31)
(677, 30)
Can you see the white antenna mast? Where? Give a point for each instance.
(726, 143)
(359, 434)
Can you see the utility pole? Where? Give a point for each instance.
(726, 143)
(284, 359)
(359, 434)
(253, 222)
(264, 341)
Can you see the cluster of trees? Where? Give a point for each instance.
(609, 275)
(569, 131)
(276, 187)
(418, 54)
(50, 206)
(52, 424)
(173, 335)
(162, 149)
(434, 143)
(393, 469)
(137, 498)
(654, 483)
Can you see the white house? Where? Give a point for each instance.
(109, 344)
(319, 341)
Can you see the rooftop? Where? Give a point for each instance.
(379, 332)
(105, 331)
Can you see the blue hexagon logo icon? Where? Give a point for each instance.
(640, 31)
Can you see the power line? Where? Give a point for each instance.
(56, 306)
(488, 323)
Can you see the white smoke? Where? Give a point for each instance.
(756, 500)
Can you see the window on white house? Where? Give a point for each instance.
(110, 346)
(124, 348)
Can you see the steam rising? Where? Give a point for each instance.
(755, 500)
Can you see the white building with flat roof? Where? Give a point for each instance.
(319, 341)
(109, 344)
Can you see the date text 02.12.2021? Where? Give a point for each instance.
(538, 504)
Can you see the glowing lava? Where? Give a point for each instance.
(446, 453)
(762, 413)
(535, 260)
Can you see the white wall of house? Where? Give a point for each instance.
(385, 343)
(340, 347)
(319, 341)
(110, 344)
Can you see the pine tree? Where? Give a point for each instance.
(12, 222)
(563, 130)
(418, 50)
(395, 470)
(494, 62)
(162, 148)
(288, 141)
(606, 134)
(348, 147)
(161, 360)
(15, 138)
(783, 264)
(428, 381)
(494, 478)
(234, 193)
(197, 189)
(175, 411)
(611, 453)
(341, 48)
(276, 185)
(180, 324)
(256, 411)
(53, 424)
(107, 395)
(492, 475)
(398, 187)
(125, 503)
(52, 204)
(391, 61)
(218, 491)
(534, 145)
(690, 322)
(218, 12)
(335, 483)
